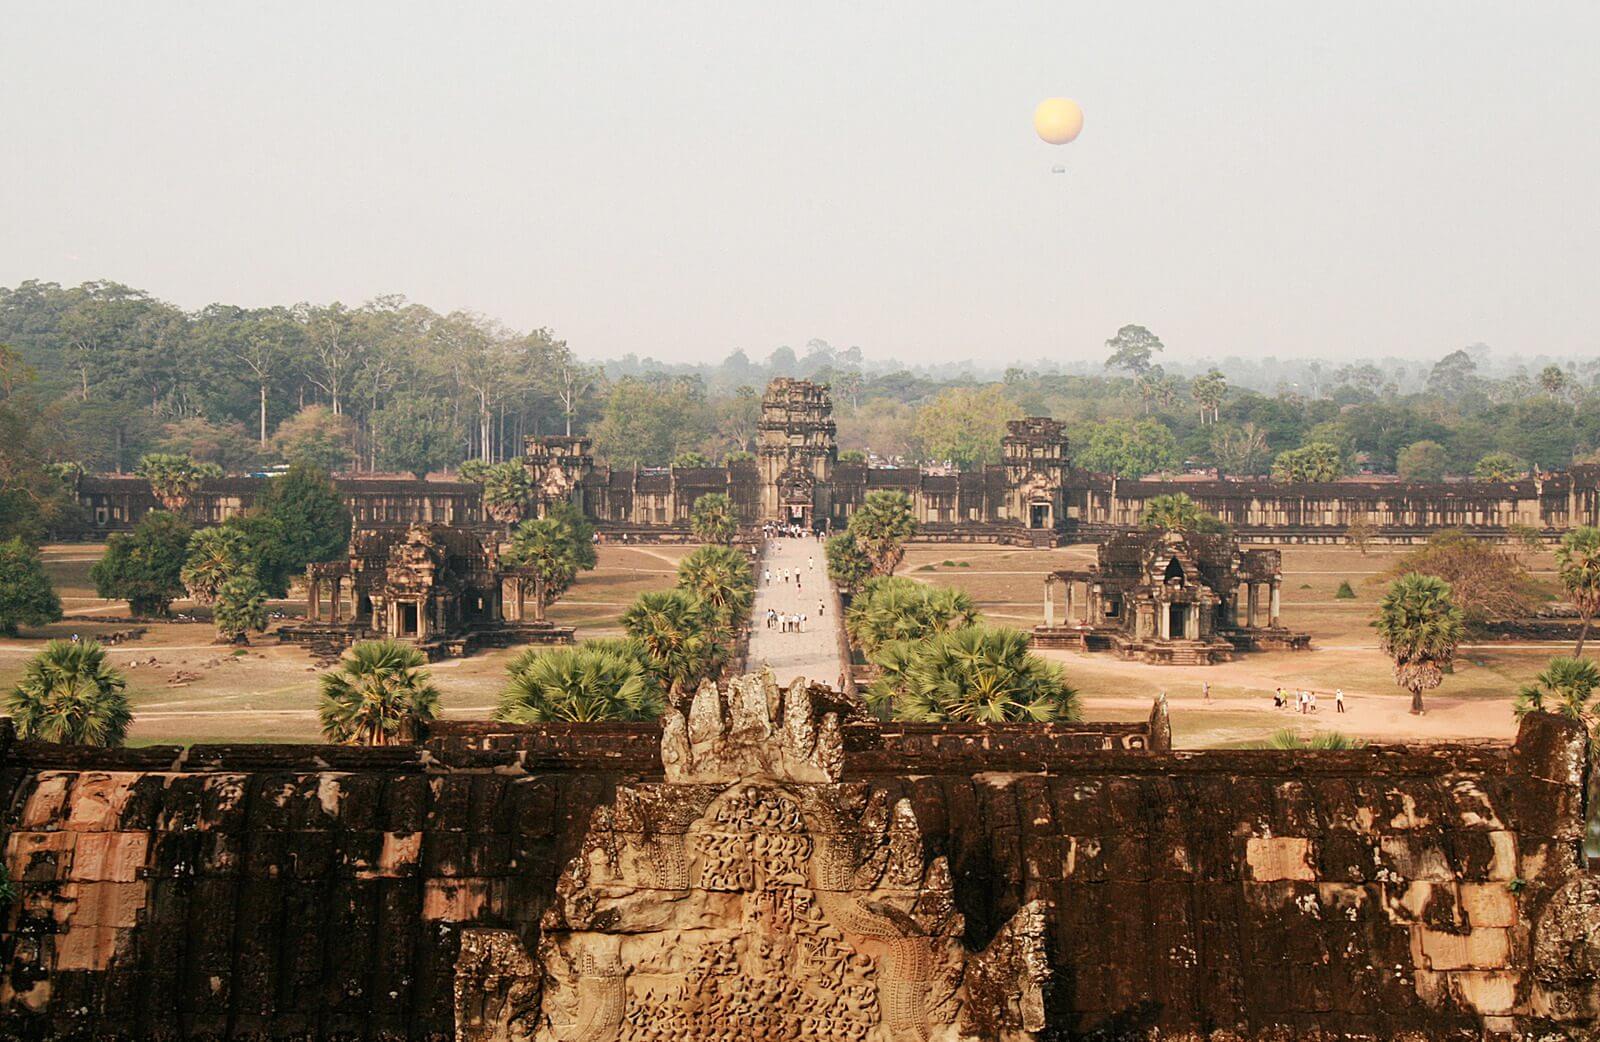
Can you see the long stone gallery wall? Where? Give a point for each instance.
(758, 869)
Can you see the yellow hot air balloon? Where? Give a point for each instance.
(1058, 120)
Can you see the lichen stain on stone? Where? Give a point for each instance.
(1279, 857)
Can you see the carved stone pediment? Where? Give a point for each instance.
(753, 895)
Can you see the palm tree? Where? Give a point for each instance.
(1208, 392)
(1578, 565)
(1176, 512)
(175, 478)
(1419, 627)
(507, 490)
(1552, 380)
(241, 607)
(679, 636)
(215, 556)
(891, 609)
(720, 577)
(848, 565)
(552, 550)
(68, 694)
(976, 674)
(882, 524)
(714, 519)
(377, 695)
(1565, 686)
(595, 680)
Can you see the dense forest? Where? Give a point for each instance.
(98, 375)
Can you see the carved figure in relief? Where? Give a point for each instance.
(754, 895)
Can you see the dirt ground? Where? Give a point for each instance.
(267, 692)
(186, 689)
(1474, 701)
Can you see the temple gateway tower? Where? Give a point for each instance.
(797, 451)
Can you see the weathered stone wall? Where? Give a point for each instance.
(310, 892)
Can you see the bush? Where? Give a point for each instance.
(26, 596)
(1344, 592)
(145, 567)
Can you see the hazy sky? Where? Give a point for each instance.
(682, 179)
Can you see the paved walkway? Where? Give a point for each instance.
(813, 652)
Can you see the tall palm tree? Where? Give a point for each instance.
(890, 609)
(882, 524)
(1565, 686)
(679, 635)
(1578, 565)
(1176, 512)
(68, 694)
(595, 680)
(507, 490)
(241, 607)
(1419, 627)
(720, 577)
(714, 519)
(976, 674)
(552, 549)
(215, 556)
(174, 478)
(377, 695)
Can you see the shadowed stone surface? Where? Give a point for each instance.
(308, 892)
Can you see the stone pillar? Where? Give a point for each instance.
(1250, 605)
(1273, 605)
(335, 602)
(314, 600)
(1050, 602)
(1191, 629)
(1163, 621)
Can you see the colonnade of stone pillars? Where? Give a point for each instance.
(336, 591)
(1070, 605)
(1247, 596)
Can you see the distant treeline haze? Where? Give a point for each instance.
(98, 375)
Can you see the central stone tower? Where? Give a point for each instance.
(797, 451)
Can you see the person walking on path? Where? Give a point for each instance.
(1205, 690)
(1338, 700)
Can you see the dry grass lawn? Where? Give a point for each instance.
(1474, 702)
(268, 692)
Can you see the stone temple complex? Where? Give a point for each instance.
(1033, 496)
(1170, 598)
(771, 864)
(441, 587)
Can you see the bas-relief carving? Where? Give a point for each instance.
(754, 895)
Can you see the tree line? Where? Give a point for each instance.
(100, 376)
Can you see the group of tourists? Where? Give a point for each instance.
(774, 529)
(788, 622)
(788, 575)
(1304, 700)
